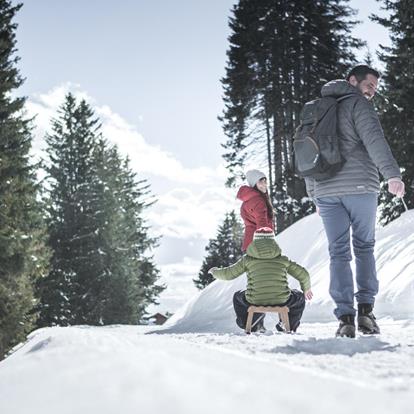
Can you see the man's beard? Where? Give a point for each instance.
(365, 94)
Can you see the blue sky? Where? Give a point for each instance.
(151, 70)
(158, 63)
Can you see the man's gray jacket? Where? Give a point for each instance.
(362, 143)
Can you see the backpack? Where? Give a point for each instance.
(316, 141)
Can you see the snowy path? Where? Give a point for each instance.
(121, 370)
(384, 362)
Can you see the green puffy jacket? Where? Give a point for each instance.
(267, 272)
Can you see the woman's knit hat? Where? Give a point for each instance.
(253, 176)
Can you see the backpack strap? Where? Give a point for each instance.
(315, 124)
(342, 98)
(355, 147)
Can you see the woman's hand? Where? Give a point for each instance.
(212, 270)
(308, 294)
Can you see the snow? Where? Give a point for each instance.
(202, 363)
(105, 370)
(305, 242)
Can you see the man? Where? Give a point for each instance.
(349, 199)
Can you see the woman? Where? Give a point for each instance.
(256, 210)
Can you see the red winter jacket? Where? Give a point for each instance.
(253, 212)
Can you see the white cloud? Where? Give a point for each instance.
(145, 158)
(181, 213)
(179, 279)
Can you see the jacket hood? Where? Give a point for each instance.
(264, 249)
(339, 87)
(245, 193)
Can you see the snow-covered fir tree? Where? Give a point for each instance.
(223, 250)
(23, 254)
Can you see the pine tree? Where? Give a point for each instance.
(396, 103)
(223, 250)
(101, 272)
(69, 292)
(23, 255)
(106, 186)
(280, 54)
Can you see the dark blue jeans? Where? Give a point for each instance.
(295, 303)
(339, 215)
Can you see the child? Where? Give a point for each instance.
(267, 283)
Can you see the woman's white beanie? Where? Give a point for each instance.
(253, 176)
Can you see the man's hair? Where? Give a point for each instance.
(361, 72)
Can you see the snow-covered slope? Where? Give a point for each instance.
(305, 242)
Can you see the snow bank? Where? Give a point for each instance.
(305, 242)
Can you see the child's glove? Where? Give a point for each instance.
(308, 294)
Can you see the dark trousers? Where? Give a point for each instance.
(295, 303)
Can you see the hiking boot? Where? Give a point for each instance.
(346, 326)
(259, 325)
(366, 320)
(280, 327)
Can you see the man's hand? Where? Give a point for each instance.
(396, 186)
(212, 270)
(308, 294)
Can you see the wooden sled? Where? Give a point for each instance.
(283, 312)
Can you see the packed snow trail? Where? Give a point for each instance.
(120, 369)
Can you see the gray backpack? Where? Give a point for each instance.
(316, 141)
